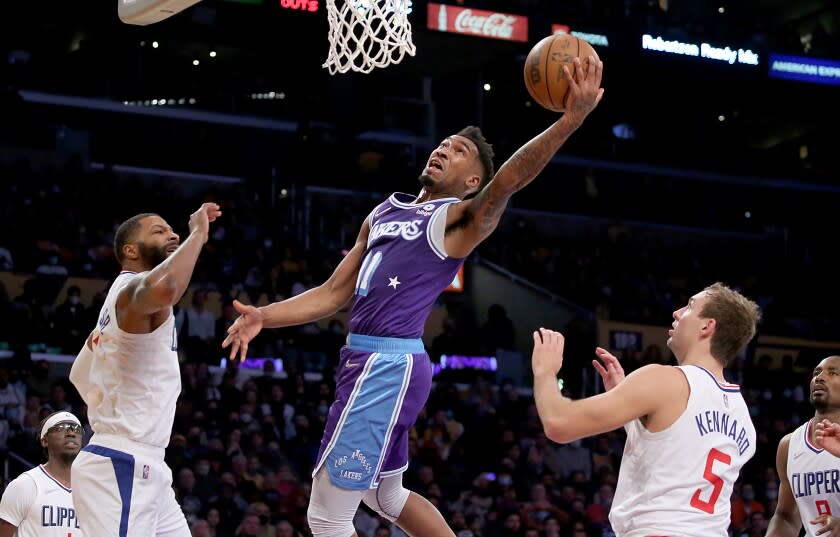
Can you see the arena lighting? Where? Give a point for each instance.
(702, 50)
(457, 361)
(625, 131)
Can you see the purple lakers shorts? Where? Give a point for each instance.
(383, 383)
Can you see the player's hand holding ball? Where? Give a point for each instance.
(563, 74)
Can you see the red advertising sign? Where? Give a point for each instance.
(477, 22)
(300, 5)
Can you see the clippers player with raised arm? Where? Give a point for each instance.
(129, 377)
(689, 431)
(809, 493)
(39, 503)
(407, 252)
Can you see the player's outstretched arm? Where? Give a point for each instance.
(644, 392)
(314, 304)
(785, 521)
(828, 436)
(164, 285)
(6, 529)
(482, 212)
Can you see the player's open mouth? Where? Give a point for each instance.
(435, 164)
(818, 390)
(172, 248)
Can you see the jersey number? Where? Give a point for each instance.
(714, 479)
(369, 266)
(823, 508)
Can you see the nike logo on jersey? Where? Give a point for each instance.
(797, 454)
(349, 365)
(383, 211)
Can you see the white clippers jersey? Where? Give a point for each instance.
(678, 482)
(814, 478)
(39, 506)
(133, 380)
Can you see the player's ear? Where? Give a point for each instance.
(44, 442)
(473, 182)
(708, 327)
(130, 251)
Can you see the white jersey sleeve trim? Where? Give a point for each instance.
(436, 231)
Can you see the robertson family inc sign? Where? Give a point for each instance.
(477, 22)
(818, 70)
(702, 50)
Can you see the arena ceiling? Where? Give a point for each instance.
(81, 48)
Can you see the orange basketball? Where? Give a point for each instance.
(544, 68)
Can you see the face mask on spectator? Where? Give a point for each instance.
(772, 494)
(74, 300)
(202, 469)
(505, 481)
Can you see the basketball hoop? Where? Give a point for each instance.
(365, 34)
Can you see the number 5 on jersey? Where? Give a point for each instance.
(716, 481)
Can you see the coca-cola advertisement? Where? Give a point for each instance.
(464, 20)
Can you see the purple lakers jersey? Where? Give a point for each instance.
(404, 269)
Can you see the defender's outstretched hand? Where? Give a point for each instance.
(828, 436)
(547, 357)
(243, 330)
(200, 220)
(611, 372)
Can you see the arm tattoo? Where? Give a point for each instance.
(519, 170)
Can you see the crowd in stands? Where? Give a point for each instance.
(243, 447)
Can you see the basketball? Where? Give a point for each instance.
(544, 68)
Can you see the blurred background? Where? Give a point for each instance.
(692, 170)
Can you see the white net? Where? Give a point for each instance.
(365, 34)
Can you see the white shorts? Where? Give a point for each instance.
(124, 489)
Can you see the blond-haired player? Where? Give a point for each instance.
(688, 430)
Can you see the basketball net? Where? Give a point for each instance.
(365, 34)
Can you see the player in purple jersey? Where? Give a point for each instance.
(407, 252)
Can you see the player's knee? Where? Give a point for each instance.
(331, 509)
(388, 499)
(324, 524)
